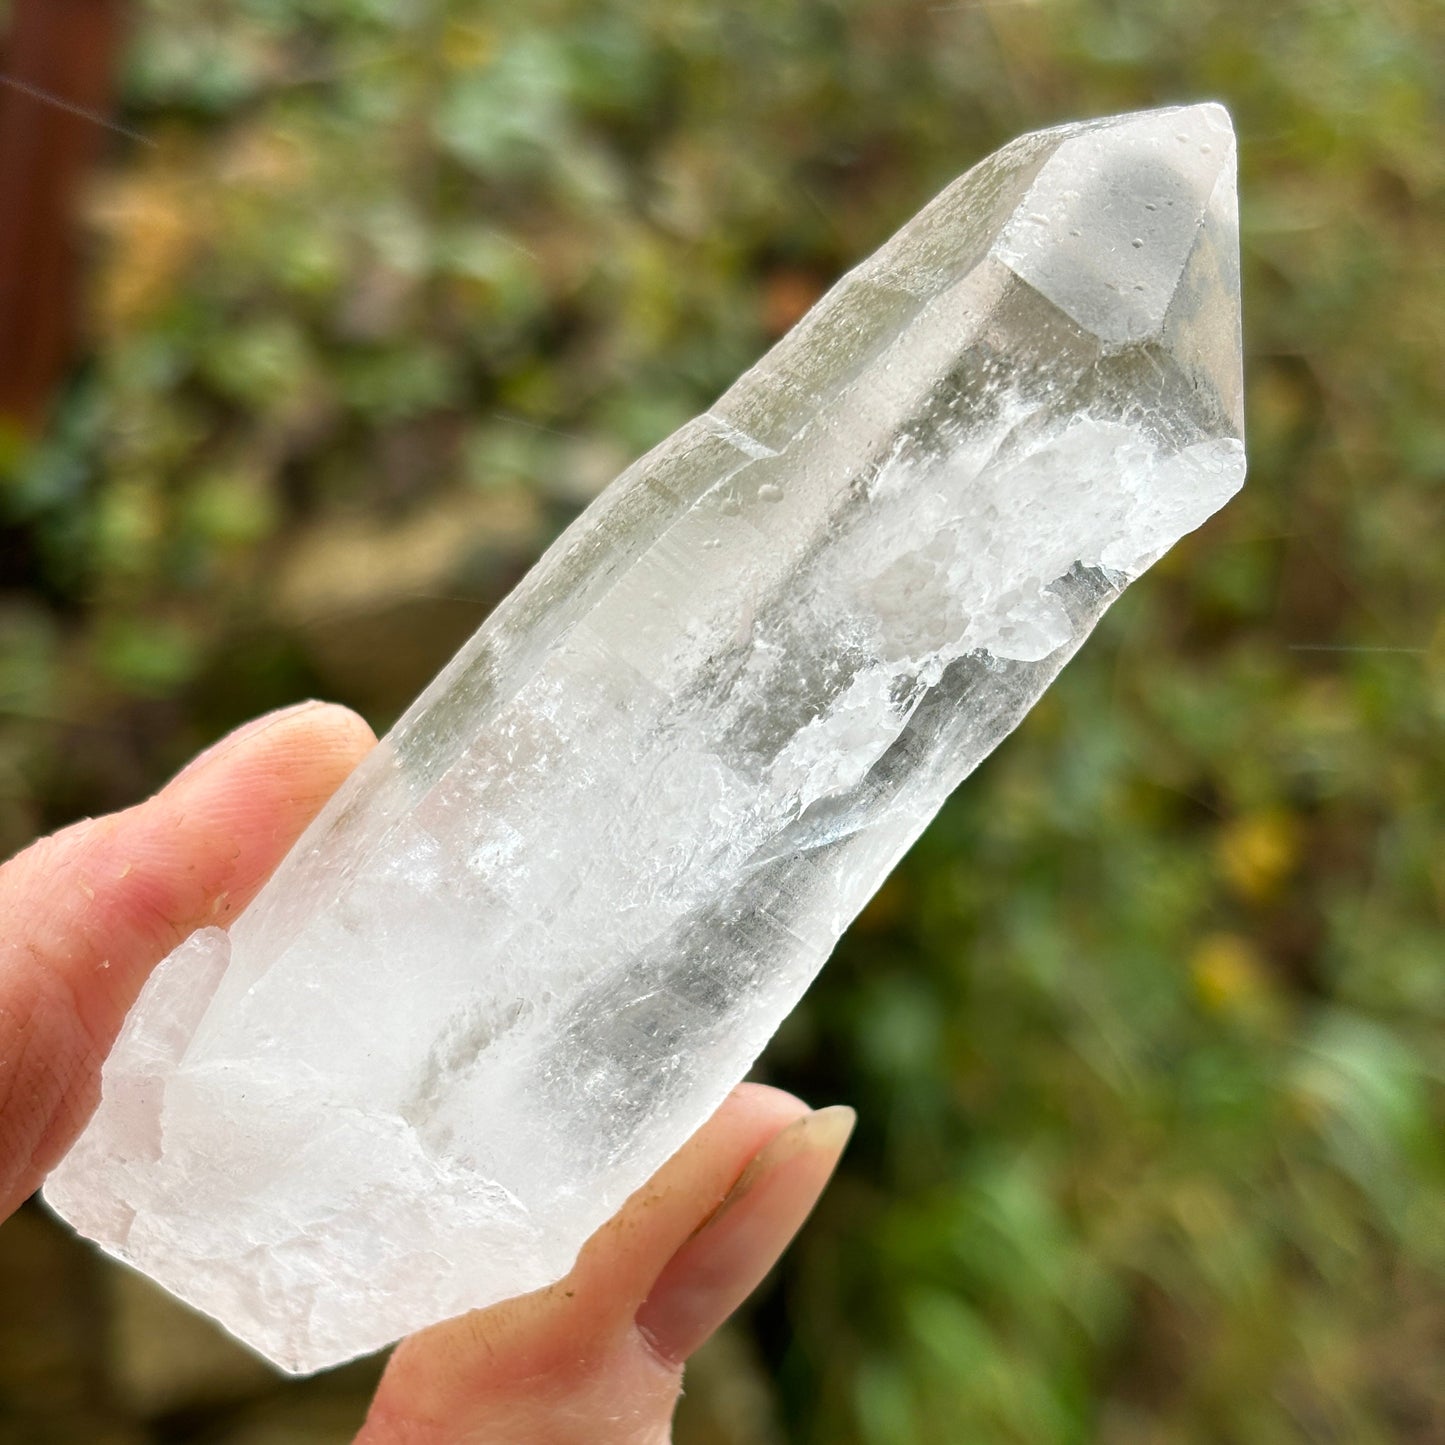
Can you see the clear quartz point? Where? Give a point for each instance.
(555, 916)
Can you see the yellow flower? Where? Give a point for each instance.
(1258, 852)
(1228, 973)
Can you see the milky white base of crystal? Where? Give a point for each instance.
(557, 914)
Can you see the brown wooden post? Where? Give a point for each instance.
(58, 65)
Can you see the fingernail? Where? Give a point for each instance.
(721, 1265)
(242, 734)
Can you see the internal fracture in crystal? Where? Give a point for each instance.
(558, 912)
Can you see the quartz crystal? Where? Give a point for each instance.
(555, 916)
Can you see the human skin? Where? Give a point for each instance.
(596, 1359)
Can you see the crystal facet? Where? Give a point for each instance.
(558, 912)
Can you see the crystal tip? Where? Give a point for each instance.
(1109, 224)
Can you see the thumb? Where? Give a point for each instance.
(597, 1358)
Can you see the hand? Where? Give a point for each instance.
(596, 1358)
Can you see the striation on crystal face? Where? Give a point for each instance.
(558, 912)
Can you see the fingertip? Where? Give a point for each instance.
(692, 1183)
(317, 735)
(743, 1238)
(765, 1099)
(325, 729)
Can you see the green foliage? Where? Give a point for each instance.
(1146, 1033)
